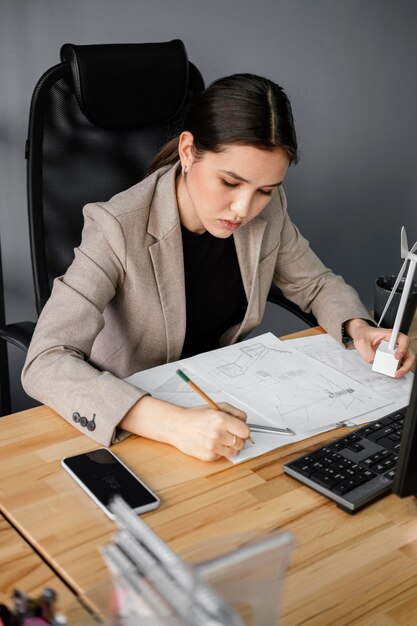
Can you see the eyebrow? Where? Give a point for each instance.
(237, 177)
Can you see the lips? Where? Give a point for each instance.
(228, 225)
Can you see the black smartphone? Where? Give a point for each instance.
(102, 475)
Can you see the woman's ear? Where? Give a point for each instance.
(185, 149)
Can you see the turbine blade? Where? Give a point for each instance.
(393, 290)
(404, 243)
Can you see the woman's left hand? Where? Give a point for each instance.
(367, 338)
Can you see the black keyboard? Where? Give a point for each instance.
(356, 469)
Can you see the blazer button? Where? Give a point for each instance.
(76, 417)
(91, 425)
(83, 421)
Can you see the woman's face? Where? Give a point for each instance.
(222, 191)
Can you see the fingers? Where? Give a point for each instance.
(403, 345)
(369, 338)
(232, 410)
(407, 363)
(366, 351)
(210, 433)
(403, 354)
(237, 430)
(230, 431)
(233, 443)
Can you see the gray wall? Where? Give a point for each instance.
(349, 68)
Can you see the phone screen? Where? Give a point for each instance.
(103, 475)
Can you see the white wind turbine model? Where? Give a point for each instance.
(385, 361)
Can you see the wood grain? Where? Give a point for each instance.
(21, 568)
(345, 569)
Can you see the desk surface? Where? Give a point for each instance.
(346, 569)
(21, 568)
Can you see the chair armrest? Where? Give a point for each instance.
(19, 334)
(277, 297)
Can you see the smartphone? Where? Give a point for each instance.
(102, 475)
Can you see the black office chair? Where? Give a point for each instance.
(4, 363)
(96, 121)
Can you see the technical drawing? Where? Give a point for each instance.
(349, 362)
(251, 367)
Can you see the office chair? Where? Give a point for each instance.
(96, 121)
(4, 363)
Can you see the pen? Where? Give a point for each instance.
(201, 393)
(258, 428)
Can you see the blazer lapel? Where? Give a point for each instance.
(168, 263)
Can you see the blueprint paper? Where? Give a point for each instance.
(328, 351)
(272, 382)
(286, 387)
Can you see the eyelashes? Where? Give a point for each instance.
(226, 184)
(233, 185)
(265, 193)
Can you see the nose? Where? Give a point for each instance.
(241, 205)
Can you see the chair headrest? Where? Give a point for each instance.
(129, 85)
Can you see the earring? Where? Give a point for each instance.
(184, 170)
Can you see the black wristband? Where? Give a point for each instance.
(346, 339)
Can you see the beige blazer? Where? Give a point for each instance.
(120, 307)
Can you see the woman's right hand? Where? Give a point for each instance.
(208, 434)
(201, 431)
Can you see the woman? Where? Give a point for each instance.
(182, 263)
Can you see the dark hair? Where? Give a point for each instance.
(242, 109)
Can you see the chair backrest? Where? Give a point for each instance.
(5, 407)
(96, 121)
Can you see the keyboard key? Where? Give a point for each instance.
(378, 455)
(340, 489)
(323, 479)
(326, 461)
(302, 467)
(317, 465)
(377, 425)
(394, 437)
(378, 434)
(386, 442)
(388, 463)
(337, 446)
(365, 430)
(355, 447)
(352, 482)
(368, 462)
(378, 467)
(353, 438)
(386, 454)
(308, 459)
(318, 454)
(368, 474)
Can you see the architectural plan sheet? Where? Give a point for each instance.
(328, 351)
(273, 382)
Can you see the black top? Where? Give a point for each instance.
(215, 297)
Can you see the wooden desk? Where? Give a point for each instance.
(23, 569)
(346, 569)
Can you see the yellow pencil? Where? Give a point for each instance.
(202, 394)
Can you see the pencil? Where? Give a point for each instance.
(201, 393)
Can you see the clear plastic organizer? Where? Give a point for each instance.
(241, 586)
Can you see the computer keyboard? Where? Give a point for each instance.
(356, 469)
